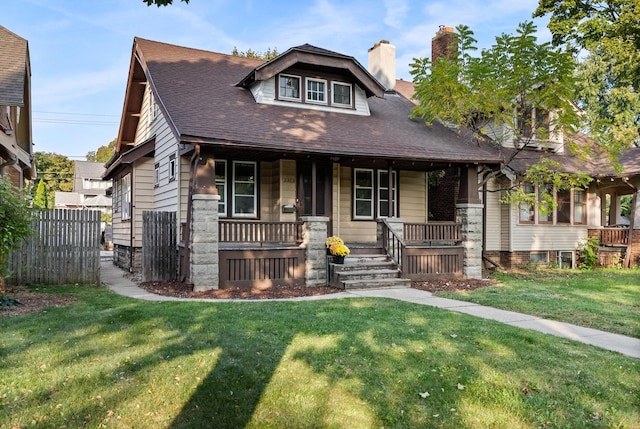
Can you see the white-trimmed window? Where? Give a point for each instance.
(221, 185)
(116, 195)
(579, 206)
(565, 259)
(173, 168)
(126, 197)
(526, 209)
(545, 209)
(152, 105)
(245, 196)
(316, 90)
(341, 94)
(570, 206)
(156, 175)
(383, 193)
(289, 87)
(363, 193)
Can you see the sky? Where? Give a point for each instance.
(81, 50)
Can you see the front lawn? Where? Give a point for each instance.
(606, 299)
(110, 361)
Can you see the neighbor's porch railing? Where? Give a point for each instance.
(258, 232)
(433, 233)
(612, 236)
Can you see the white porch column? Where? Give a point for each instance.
(203, 260)
(314, 234)
(470, 217)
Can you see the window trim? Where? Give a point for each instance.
(307, 89)
(223, 197)
(584, 204)
(554, 215)
(525, 206)
(173, 168)
(392, 192)
(126, 197)
(333, 101)
(280, 96)
(156, 175)
(373, 194)
(235, 214)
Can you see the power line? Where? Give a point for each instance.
(72, 122)
(73, 113)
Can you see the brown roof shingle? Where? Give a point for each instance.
(197, 89)
(14, 57)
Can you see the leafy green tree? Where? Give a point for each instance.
(56, 170)
(607, 35)
(15, 223)
(267, 55)
(104, 153)
(488, 94)
(41, 199)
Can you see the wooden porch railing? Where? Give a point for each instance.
(438, 233)
(613, 236)
(234, 231)
(392, 244)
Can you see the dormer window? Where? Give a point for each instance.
(289, 87)
(316, 90)
(341, 94)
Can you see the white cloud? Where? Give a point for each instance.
(396, 11)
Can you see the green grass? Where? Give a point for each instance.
(114, 362)
(605, 299)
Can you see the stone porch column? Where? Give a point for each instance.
(470, 217)
(203, 261)
(314, 234)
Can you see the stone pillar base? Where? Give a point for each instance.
(203, 257)
(470, 217)
(314, 234)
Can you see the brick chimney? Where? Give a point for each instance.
(382, 64)
(444, 44)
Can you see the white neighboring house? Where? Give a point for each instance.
(89, 189)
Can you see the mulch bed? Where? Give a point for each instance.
(31, 302)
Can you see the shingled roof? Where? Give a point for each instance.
(198, 92)
(14, 66)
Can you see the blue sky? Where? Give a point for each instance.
(80, 50)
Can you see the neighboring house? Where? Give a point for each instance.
(309, 140)
(16, 151)
(89, 189)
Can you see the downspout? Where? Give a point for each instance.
(634, 203)
(186, 235)
(132, 223)
(9, 163)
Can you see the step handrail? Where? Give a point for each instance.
(392, 244)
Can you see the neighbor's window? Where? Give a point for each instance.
(563, 206)
(289, 87)
(221, 185)
(316, 90)
(126, 197)
(341, 94)
(363, 193)
(539, 258)
(173, 169)
(156, 175)
(545, 206)
(244, 189)
(526, 209)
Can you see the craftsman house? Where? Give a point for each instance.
(16, 151)
(261, 161)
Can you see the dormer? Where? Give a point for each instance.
(312, 78)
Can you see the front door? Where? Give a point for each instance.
(314, 188)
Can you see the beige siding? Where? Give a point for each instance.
(351, 231)
(121, 230)
(142, 198)
(267, 201)
(287, 188)
(167, 194)
(413, 196)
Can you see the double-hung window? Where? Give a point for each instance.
(371, 193)
(579, 206)
(221, 185)
(526, 209)
(289, 87)
(341, 94)
(384, 191)
(245, 197)
(316, 91)
(126, 197)
(173, 168)
(363, 194)
(156, 175)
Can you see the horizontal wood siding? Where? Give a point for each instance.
(413, 196)
(263, 268)
(143, 196)
(64, 249)
(425, 263)
(493, 216)
(267, 200)
(349, 230)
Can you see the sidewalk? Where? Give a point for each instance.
(114, 278)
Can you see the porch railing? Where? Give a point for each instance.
(258, 232)
(615, 236)
(433, 233)
(392, 244)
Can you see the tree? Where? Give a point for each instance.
(56, 170)
(104, 153)
(41, 199)
(269, 54)
(15, 223)
(504, 95)
(161, 2)
(607, 35)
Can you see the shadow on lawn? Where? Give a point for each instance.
(342, 363)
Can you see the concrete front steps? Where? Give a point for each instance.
(366, 270)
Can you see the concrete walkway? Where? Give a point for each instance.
(115, 279)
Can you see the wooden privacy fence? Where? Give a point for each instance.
(64, 249)
(159, 246)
